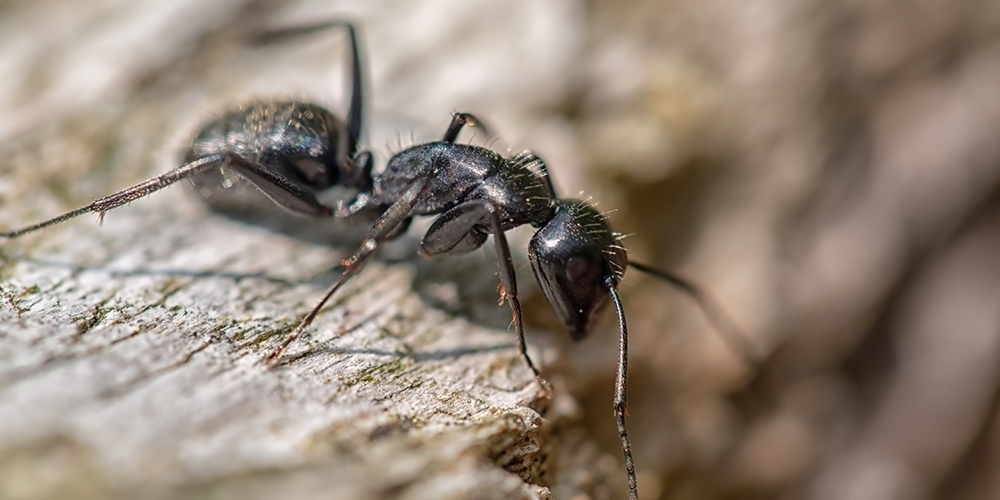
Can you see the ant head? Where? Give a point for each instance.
(573, 256)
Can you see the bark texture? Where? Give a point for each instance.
(828, 171)
(130, 352)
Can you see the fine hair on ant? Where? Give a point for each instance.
(290, 151)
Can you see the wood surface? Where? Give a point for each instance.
(131, 351)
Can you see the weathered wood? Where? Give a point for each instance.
(135, 349)
(130, 353)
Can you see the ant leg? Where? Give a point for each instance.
(279, 189)
(621, 382)
(361, 205)
(355, 114)
(454, 232)
(361, 171)
(508, 290)
(458, 122)
(356, 111)
(737, 340)
(128, 195)
(398, 213)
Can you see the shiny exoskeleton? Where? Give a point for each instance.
(475, 193)
(292, 151)
(578, 261)
(289, 151)
(286, 150)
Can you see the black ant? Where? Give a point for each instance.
(577, 260)
(291, 151)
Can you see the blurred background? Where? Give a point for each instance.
(827, 171)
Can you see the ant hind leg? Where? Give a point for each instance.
(115, 200)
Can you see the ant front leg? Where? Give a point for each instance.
(398, 214)
(508, 283)
(456, 232)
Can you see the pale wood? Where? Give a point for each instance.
(133, 352)
(130, 353)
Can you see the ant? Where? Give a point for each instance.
(291, 151)
(576, 258)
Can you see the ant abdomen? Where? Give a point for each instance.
(303, 143)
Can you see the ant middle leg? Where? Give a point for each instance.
(398, 214)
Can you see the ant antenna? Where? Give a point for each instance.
(733, 336)
(621, 381)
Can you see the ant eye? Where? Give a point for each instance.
(576, 269)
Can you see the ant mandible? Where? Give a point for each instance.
(291, 151)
